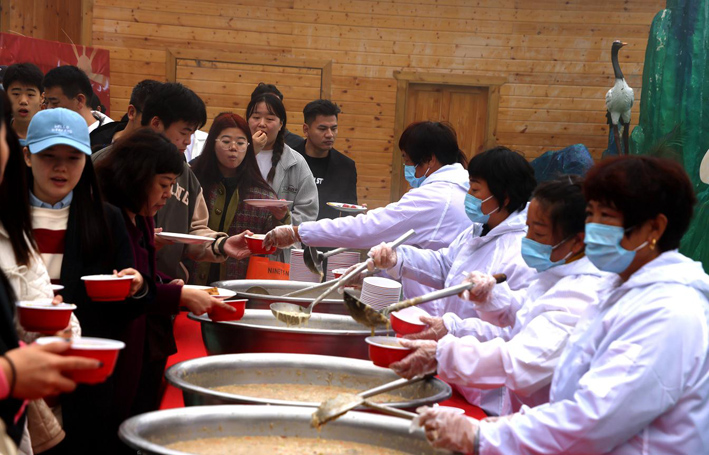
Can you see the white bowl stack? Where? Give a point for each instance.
(379, 292)
(298, 270)
(341, 261)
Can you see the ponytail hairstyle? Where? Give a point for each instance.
(14, 195)
(206, 167)
(275, 107)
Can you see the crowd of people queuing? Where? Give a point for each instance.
(596, 343)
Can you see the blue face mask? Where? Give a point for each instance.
(538, 256)
(474, 209)
(603, 248)
(410, 176)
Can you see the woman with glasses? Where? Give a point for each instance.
(228, 172)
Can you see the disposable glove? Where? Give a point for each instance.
(383, 256)
(280, 237)
(482, 292)
(435, 331)
(448, 430)
(421, 361)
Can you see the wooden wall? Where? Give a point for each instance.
(56, 20)
(555, 55)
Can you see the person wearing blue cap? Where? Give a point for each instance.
(78, 234)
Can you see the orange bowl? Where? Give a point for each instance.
(255, 244)
(383, 351)
(107, 288)
(101, 349)
(406, 321)
(220, 314)
(41, 316)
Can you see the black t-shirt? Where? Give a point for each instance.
(318, 166)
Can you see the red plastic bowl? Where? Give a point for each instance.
(406, 321)
(56, 288)
(220, 314)
(383, 351)
(337, 273)
(101, 349)
(107, 288)
(255, 244)
(41, 316)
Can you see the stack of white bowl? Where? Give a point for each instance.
(298, 270)
(379, 292)
(341, 261)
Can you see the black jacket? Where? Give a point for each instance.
(340, 184)
(9, 407)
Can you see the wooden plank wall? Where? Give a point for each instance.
(555, 55)
(56, 20)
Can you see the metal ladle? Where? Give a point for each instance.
(366, 315)
(293, 314)
(313, 258)
(342, 403)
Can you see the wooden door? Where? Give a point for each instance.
(465, 108)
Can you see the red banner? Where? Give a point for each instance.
(50, 54)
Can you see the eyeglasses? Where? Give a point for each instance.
(227, 143)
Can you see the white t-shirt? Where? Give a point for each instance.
(264, 162)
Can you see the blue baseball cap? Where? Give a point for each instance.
(58, 127)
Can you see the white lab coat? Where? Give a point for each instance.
(435, 210)
(634, 376)
(521, 357)
(500, 251)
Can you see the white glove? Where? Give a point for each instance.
(280, 237)
(421, 361)
(448, 430)
(383, 256)
(435, 331)
(482, 292)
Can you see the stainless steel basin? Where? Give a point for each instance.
(260, 331)
(196, 377)
(151, 432)
(333, 304)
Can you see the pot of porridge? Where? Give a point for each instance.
(275, 288)
(273, 430)
(293, 380)
(260, 331)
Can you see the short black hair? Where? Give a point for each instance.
(141, 92)
(423, 140)
(563, 201)
(642, 187)
(128, 170)
(325, 108)
(507, 174)
(173, 102)
(262, 89)
(24, 73)
(71, 80)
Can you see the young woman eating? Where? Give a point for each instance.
(229, 174)
(634, 375)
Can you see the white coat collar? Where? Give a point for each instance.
(516, 222)
(453, 173)
(579, 267)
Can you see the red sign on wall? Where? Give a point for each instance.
(50, 54)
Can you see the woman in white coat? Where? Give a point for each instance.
(501, 182)
(634, 376)
(537, 321)
(434, 207)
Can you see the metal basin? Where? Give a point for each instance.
(334, 304)
(151, 432)
(196, 377)
(259, 331)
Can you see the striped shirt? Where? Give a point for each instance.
(49, 230)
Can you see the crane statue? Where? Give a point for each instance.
(619, 101)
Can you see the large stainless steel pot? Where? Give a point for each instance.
(151, 432)
(333, 304)
(196, 377)
(260, 331)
